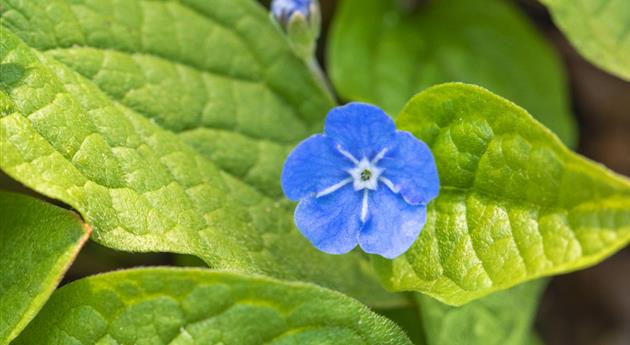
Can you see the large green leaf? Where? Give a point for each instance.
(514, 203)
(503, 318)
(165, 124)
(381, 54)
(38, 242)
(196, 306)
(599, 29)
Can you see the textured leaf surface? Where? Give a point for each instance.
(165, 123)
(194, 306)
(599, 29)
(381, 54)
(38, 242)
(514, 203)
(503, 318)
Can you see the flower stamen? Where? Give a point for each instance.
(366, 175)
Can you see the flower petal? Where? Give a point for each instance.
(286, 8)
(331, 222)
(410, 167)
(313, 166)
(361, 129)
(392, 225)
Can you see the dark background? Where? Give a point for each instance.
(589, 307)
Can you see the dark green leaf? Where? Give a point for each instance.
(381, 54)
(503, 318)
(38, 242)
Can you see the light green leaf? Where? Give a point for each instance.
(381, 54)
(503, 318)
(599, 30)
(38, 242)
(514, 204)
(196, 306)
(165, 124)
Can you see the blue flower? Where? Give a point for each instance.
(361, 182)
(283, 10)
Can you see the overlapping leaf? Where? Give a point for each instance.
(504, 318)
(194, 306)
(380, 53)
(38, 242)
(514, 203)
(165, 123)
(599, 29)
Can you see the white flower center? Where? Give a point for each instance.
(365, 175)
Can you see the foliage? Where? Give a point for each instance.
(38, 242)
(197, 306)
(508, 209)
(165, 125)
(504, 318)
(382, 54)
(599, 30)
(161, 148)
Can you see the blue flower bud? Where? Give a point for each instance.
(300, 21)
(283, 10)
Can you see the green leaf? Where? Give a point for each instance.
(38, 242)
(534, 339)
(514, 204)
(598, 29)
(381, 54)
(503, 318)
(165, 124)
(407, 318)
(196, 306)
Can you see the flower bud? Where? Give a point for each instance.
(300, 20)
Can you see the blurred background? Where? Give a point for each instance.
(589, 307)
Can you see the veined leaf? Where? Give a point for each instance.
(514, 204)
(196, 306)
(503, 318)
(381, 54)
(38, 242)
(599, 30)
(165, 124)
